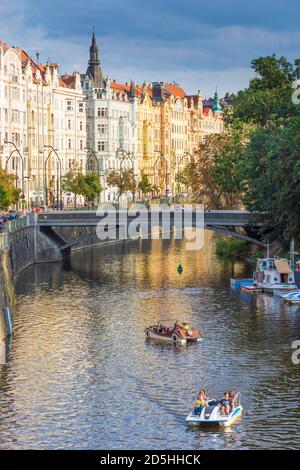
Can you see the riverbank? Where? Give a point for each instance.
(237, 248)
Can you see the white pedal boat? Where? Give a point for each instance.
(293, 298)
(211, 416)
(178, 333)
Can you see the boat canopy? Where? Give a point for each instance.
(282, 266)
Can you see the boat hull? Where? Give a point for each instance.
(215, 419)
(251, 289)
(171, 339)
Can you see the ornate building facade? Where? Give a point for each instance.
(41, 113)
(91, 119)
(111, 123)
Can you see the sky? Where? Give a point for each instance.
(199, 44)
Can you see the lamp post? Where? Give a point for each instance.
(161, 157)
(93, 154)
(22, 160)
(185, 154)
(126, 155)
(59, 176)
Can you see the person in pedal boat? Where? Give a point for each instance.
(200, 403)
(225, 404)
(232, 395)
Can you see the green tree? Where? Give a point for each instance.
(92, 186)
(213, 174)
(9, 194)
(123, 180)
(268, 167)
(144, 185)
(74, 182)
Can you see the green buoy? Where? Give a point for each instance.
(180, 269)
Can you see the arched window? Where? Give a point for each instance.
(12, 71)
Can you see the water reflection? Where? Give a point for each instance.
(80, 374)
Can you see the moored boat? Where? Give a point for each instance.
(178, 333)
(274, 274)
(251, 289)
(238, 283)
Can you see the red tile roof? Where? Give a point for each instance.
(206, 111)
(175, 90)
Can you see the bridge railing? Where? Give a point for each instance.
(28, 220)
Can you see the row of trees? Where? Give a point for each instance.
(88, 185)
(256, 163)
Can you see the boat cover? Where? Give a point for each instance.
(282, 266)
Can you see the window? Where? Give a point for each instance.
(69, 144)
(69, 123)
(101, 146)
(80, 107)
(70, 105)
(80, 126)
(102, 129)
(81, 144)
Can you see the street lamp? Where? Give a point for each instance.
(185, 154)
(126, 155)
(93, 155)
(22, 160)
(58, 173)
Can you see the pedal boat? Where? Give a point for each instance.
(211, 415)
(293, 298)
(179, 333)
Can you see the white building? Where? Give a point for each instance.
(40, 112)
(111, 123)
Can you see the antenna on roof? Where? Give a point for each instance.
(37, 54)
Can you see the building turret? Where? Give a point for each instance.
(94, 69)
(132, 92)
(216, 107)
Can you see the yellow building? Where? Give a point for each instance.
(170, 126)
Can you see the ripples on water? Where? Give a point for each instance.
(79, 373)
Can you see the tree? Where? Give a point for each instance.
(124, 180)
(9, 194)
(212, 175)
(269, 163)
(144, 185)
(92, 186)
(74, 182)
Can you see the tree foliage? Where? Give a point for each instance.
(81, 185)
(9, 194)
(123, 180)
(213, 173)
(144, 185)
(270, 162)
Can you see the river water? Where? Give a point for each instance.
(79, 373)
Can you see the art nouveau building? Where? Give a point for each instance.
(39, 112)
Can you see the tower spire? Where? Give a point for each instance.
(216, 107)
(94, 68)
